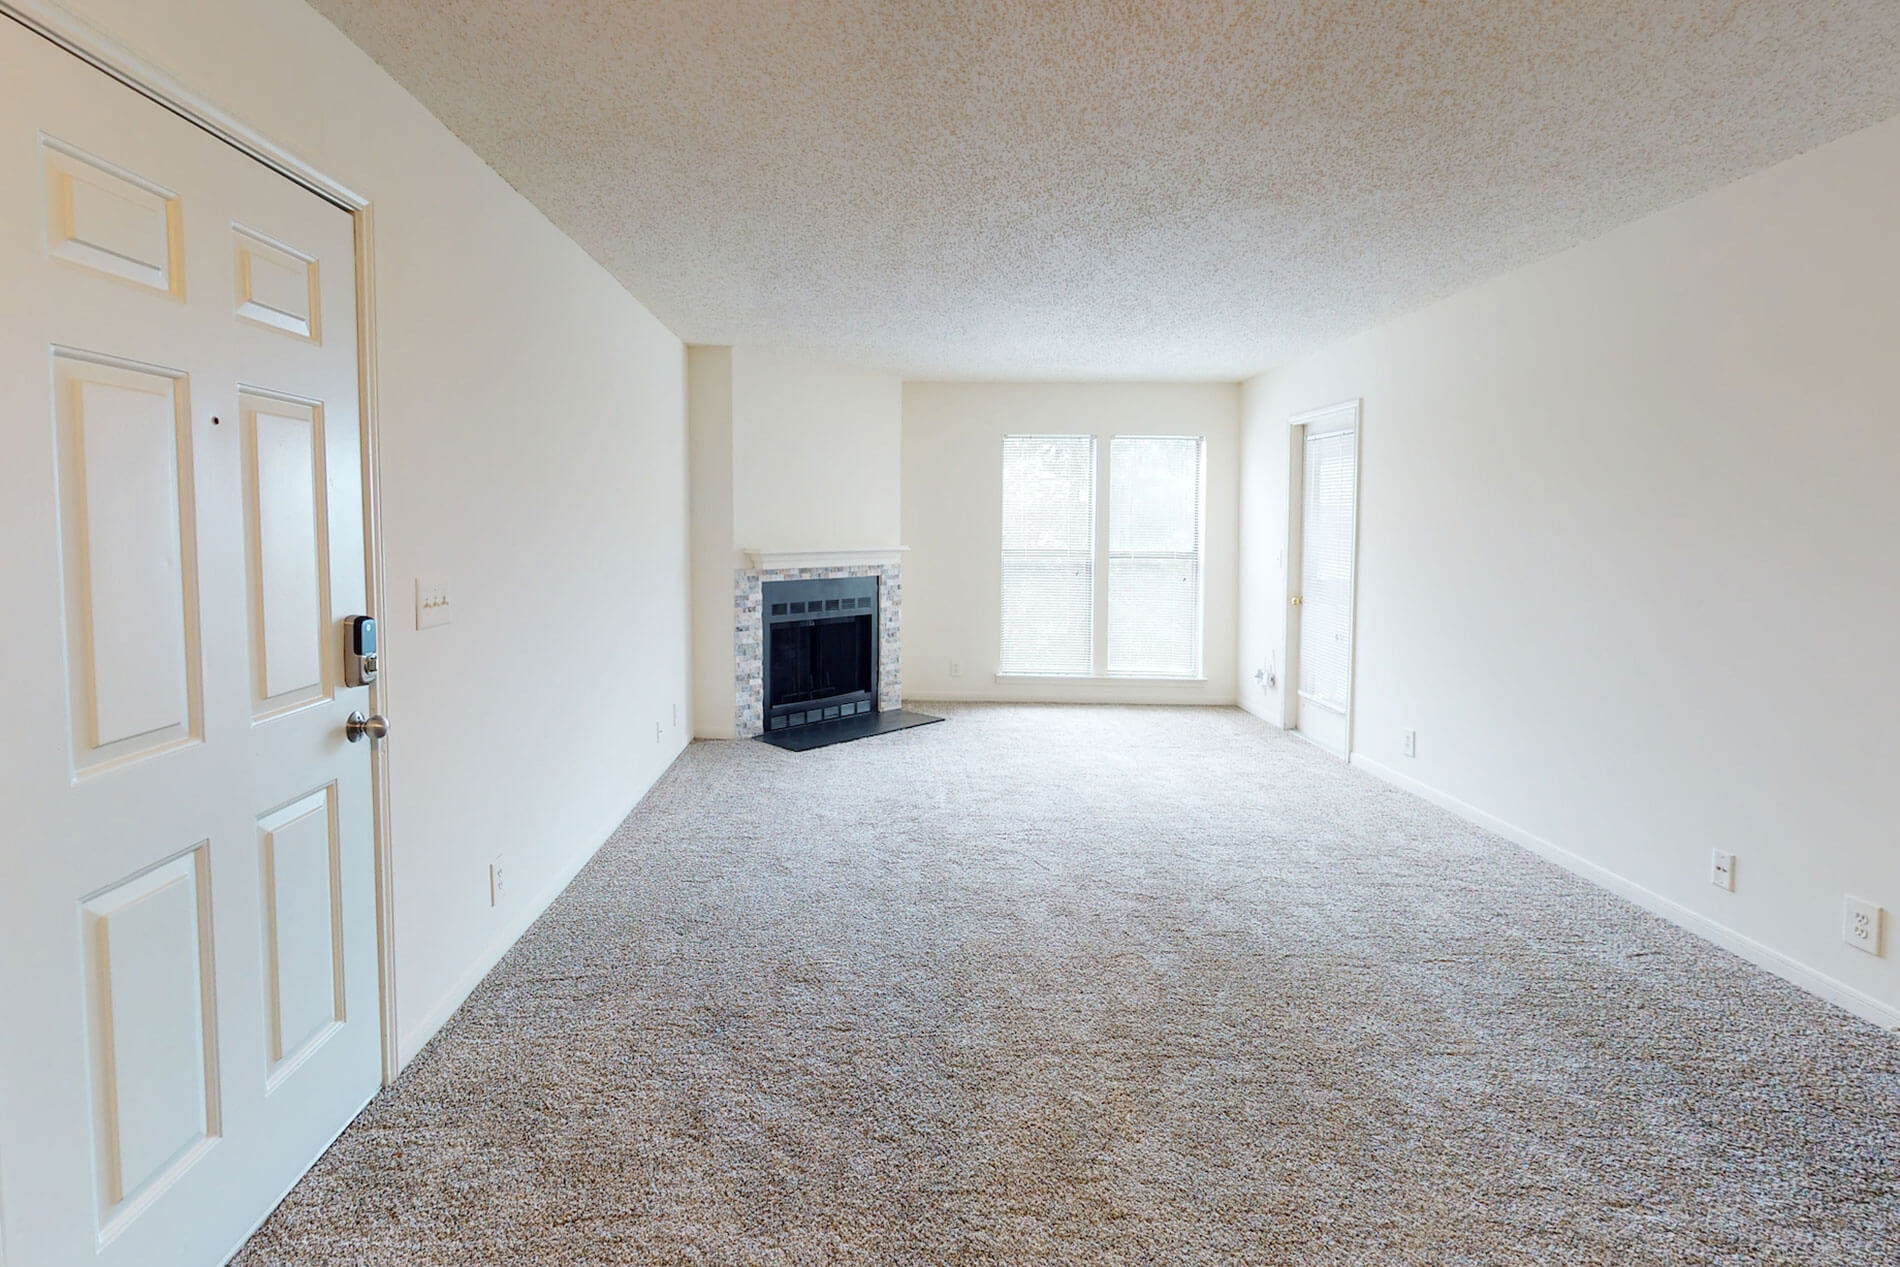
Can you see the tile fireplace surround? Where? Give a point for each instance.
(748, 636)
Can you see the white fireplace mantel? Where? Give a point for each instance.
(877, 556)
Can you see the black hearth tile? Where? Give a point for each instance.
(845, 729)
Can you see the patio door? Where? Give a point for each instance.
(1320, 627)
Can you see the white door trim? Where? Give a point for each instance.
(94, 46)
(1343, 416)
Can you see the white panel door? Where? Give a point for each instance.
(186, 884)
(1322, 624)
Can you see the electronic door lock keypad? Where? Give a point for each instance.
(359, 655)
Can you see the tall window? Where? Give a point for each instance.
(1048, 555)
(1152, 567)
(1154, 556)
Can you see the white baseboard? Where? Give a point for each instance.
(417, 1036)
(1258, 708)
(1797, 973)
(1113, 692)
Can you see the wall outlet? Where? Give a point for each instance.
(676, 716)
(1860, 925)
(1722, 869)
(1408, 739)
(659, 732)
(497, 882)
(956, 668)
(432, 603)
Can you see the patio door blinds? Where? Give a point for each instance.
(1326, 570)
(1048, 555)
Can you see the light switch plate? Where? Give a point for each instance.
(432, 603)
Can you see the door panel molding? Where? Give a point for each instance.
(103, 217)
(152, 1032)
(301, 867)
(277, 285)
(101, 51)
(128, 533)
(287, 551)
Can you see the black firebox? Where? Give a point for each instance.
(820, 652)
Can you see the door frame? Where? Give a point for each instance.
(1335, 417)
(108, 55)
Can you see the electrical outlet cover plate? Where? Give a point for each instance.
(1860, 925)
(497, 882)
(1722, 869)
(1410, 739)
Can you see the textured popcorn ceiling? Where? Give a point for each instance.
(1014, 188)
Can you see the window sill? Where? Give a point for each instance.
(1094, 677)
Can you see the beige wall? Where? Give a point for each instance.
(534, 453)
(814, 453)
(788, 453)
(953, 507)
(1628, 555)
(709, 420)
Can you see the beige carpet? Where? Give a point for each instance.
(1070, 985)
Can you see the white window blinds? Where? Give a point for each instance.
(1154, 556)
(1048, 554)
(1326, 569)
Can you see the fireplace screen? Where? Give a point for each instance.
(820, 650)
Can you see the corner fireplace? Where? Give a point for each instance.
(820, 650)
